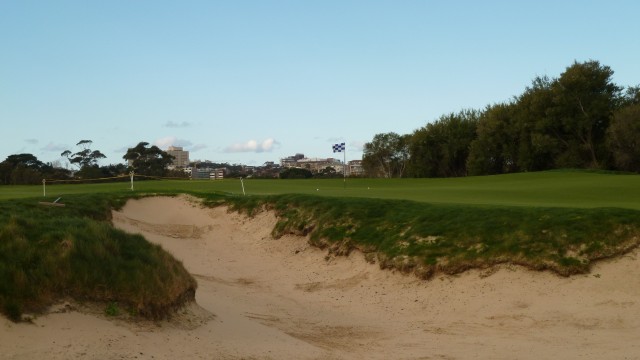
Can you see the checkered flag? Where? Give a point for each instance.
(338, 147)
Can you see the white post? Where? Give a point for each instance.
(131, 175)
(242, 183)
(44, 188)
(344, 167)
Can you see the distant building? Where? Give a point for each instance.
(181, 157)
(291, 161)
(316, 164)
(207, 173)
(216, 174)
(354, 168)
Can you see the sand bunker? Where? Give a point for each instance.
(282, 299)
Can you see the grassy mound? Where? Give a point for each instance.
(442, 238)
(47, 253)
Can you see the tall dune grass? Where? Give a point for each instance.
(47, 253)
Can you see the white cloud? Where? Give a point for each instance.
(173, 124)
(197, 147)
(167, 141)
(54, 147)
(266, 145)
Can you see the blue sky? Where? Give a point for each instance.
(255, 81)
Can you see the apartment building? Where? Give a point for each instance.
(181, 157)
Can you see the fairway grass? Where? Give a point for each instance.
(566, 189)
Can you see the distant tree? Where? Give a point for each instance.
(495, 150)
(584, 99)
(538, 143)
(113, 170)
(328, 172)
(21, 169)
(149, 161)
(623, 138)
(295, 173)
(386, 155)
(631, 96)
(441, 148)
(85, 157)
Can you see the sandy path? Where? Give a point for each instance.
(281, 299)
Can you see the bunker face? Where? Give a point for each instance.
(284, 299)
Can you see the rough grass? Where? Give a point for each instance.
(441, 238)
(47, 253)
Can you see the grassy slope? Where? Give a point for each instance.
(51, 252)
(428, 239)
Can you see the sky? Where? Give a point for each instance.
(246, 82)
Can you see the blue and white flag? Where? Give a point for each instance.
(338, 147)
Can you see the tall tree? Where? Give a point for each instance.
(85, 157)
(539, 144)
(386, 155)
(623, 138)
(151, 161)
(495, 150)
(584, 98)
(21, 169)
(441, 148)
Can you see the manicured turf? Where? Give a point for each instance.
(572, 189)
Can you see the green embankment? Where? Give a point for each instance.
(559, 221)
(442, 238)
(48, 253)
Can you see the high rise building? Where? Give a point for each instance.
(181, 157)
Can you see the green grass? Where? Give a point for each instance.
(445, 238)
(569, 189)
(47, 253)
(561, 221)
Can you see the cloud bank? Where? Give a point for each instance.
(167, 141)
(266, 145)
(173, 124)
(54, 147)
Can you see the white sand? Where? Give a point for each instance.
(281, 299)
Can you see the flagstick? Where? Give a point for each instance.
(344, 168)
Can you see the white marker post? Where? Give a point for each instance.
(131, 175)
(44, 188)
(344, 167)
(242, 183)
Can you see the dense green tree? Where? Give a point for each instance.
(21, 169)
(295, 173)
(631, 96)
(496, 147)
(441, 148)
(538, 146)
(386, 155)
(623, 138)
(584, 98)
(150, 161)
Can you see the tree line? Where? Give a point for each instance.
(143, 159)
(581, 119)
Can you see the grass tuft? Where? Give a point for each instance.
(48, 253)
